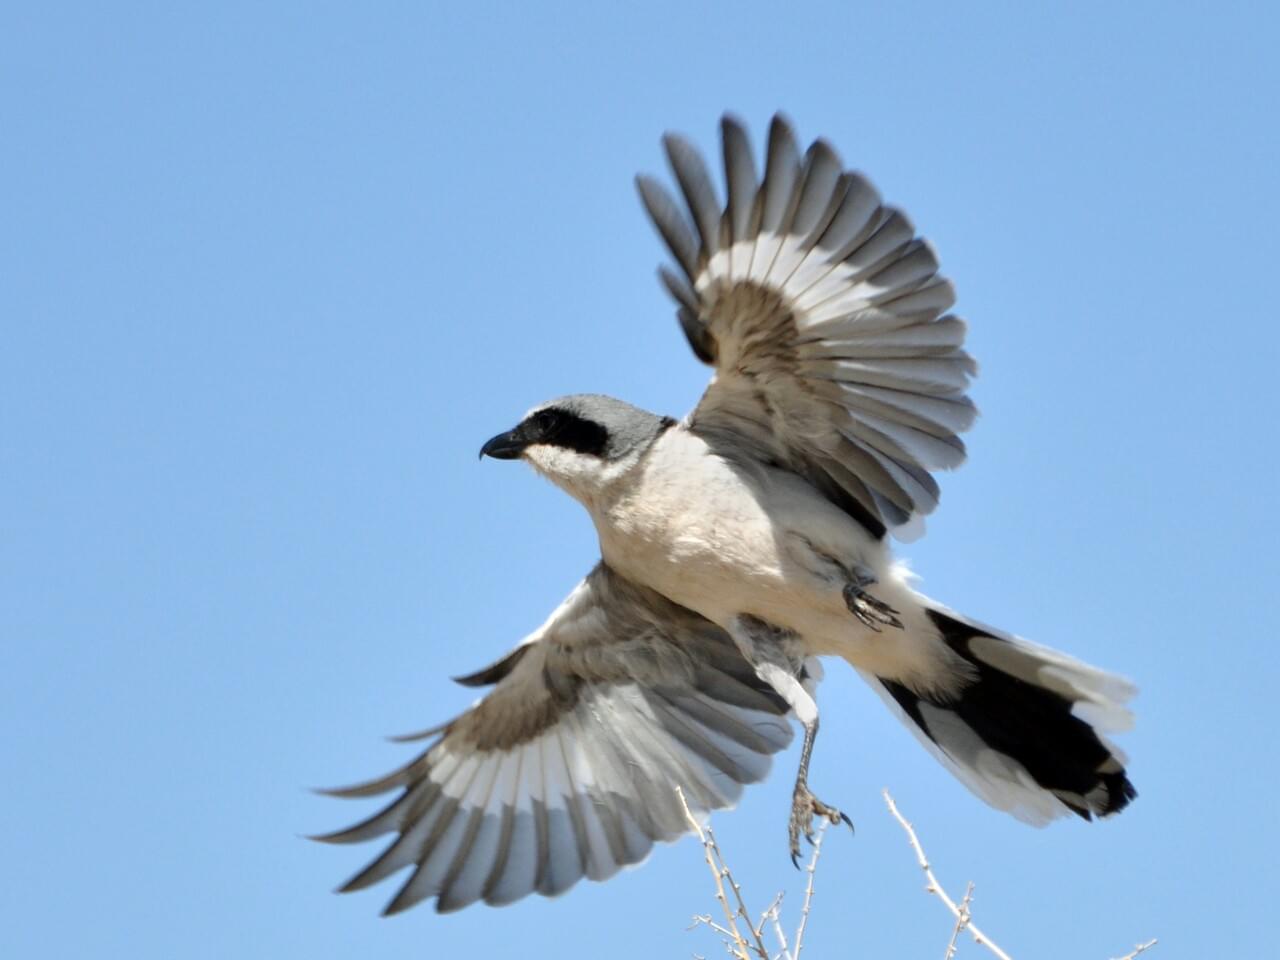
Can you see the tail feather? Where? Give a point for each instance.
(1027, 732)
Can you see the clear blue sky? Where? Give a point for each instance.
(269, 276)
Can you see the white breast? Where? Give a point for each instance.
(724, 539)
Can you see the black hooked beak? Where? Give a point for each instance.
(505, 446)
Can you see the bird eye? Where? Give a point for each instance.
(546, 421)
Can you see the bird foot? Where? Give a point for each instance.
(804, 807)
(872, 612)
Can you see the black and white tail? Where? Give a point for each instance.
(1026, 733)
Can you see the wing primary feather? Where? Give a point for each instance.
(398, 853)
(602, 841)
(695, 183)
(693, 740)
(390, 817)
(564, 856)
(671, 225)
(503, 853)
(463, 879)
(812, 199)
(928, 301)
(419, 837)
(448, 898)
(863, 504)
(572, 798)
(680, 290)
(857, 209)
(943, 417)
(713, 681)
(442, 832)
(740, 176)
(417, 735)
(914, 264)
(705, 712)
(488, 676)
(867, 466)
(608, 787)
(519, 876)
(634, 753)
(698, 336)
(781, 171)
(890, 236)
(679, 762)
(402, 776)
(821, 177)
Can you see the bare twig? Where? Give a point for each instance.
(935, 887)
(1140, 949)
(962, 921)
(758, 941)
(736, 942)
(776, 916)
(811, 869)
(704, 919)
(720, 872)
(752, 947)
(769, 911)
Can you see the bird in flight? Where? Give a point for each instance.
(738, 547)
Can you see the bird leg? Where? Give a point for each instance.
(872, 612)
(804, 805)
(778, 659)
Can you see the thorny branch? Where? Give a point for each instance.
(934, 887)
(753, 948)
(1140, 948)
(738, 944)
(811, 869)
(962, 921)
(719, 872)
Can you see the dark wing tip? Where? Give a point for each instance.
(370, 788)
(671, 225)
(419, 734)
(402, 901)
(494, 672)
(701, 340)
(322, 837)
(677, 144)
(346, 793)
(782, 127)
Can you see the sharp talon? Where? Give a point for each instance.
(804, 807)
(845, 817)
(871, 612)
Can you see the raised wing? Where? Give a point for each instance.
(568, 767)
(825, 319)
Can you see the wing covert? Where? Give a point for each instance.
(825, 319)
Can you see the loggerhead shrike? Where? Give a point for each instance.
(737, 546)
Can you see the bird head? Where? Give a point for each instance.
(582, 443)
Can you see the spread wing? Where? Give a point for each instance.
(825, 319)
(568, 767)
